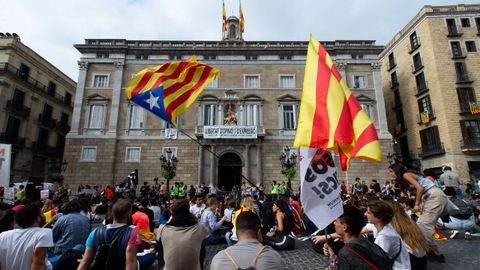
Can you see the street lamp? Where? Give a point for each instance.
(169, 165)
(289, 161)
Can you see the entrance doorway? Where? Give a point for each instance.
(229, 171)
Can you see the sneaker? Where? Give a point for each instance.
(454, 234)
(468, 235)
(436, 258)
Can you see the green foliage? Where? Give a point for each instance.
(289, 173)
(168, 174)
(54, 178)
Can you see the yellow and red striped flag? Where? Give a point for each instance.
(169, 89)
(330, 116)
(242, 19)
(224, 17)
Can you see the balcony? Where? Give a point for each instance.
(10, 139)
(431, 116)
(18, 109)
(36, 85)
(62, 127)
(229, 132)
(431, 150)
(464, 78)
(46, 150)
(470, 144)
(454, 31)
(47, 121)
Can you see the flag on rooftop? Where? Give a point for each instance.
(330, 116)
(169, 89)
(242, 19)
(224, 17)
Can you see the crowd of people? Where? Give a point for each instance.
(128, 227)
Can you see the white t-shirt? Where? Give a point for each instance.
(229, 214)
(17, 246)
(194, 210)
(389, 240)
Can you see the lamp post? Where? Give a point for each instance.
(169, 165)
(289, 161)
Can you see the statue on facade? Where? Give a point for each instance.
(231, 119)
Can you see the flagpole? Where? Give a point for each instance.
(346, 176)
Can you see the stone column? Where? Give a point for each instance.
(77, 107)
(200, 164)
(117, 91)
(247, 161)
(259, 164)
(212, 166)
(382, 116)
(240, 120)
(220, 115)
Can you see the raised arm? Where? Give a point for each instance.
(412, 179)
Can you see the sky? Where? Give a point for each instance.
(52, 27)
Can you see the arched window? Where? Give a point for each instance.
(232, 32)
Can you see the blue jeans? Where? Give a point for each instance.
(212, 239)
(146, 260)
(458, 224)
(459, 194)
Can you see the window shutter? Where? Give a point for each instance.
(464, 129)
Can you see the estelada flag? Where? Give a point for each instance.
(330, 116)
(169, 89)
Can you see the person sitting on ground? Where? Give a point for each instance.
(198, 208)
(143, 207)
(123, 251)
(248, 252)
(182, 235)
(25, 247)
(379, 215)
(142, 222)
(246, 204)
(209, 220)
(278, 237)
(357, 253)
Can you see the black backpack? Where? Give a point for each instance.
(374, 256)
(104, 257)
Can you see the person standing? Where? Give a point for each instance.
(430, 199)
(451, 179)
(275, 190)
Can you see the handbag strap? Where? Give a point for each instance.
(361, 257)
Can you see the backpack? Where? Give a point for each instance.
(463, 211)
(102, 259)
(252, 264)
(376, 258)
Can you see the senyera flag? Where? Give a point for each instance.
(169, 89)
(330, 116)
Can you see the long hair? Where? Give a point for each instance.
(283, 206)
(408, 229)
(399, 169)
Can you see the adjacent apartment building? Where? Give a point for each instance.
(36, 105)
(246, 116)
(431, 81)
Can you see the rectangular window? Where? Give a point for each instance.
(465, 22)
(213, 84)
(400, 119)
(425, 105)
(251, 114)
(13, 127)
(42, 139)
(461, 70)
(89, 153)
(394, 79)
(136, 117)
(456, 49)
(421, 83)
(47, 112)
(18, 99)
(289, 116)
(60, 145)
(470, 132)
(368, 108)
(64, 119)
(132, 154)
(417, 61)
(209, 114)
(430, 139)
(96, 116)
(24, 71)
(477, 22)
(67, 100)
(51, 89)
(465, 96)
(470, 45)
(391, 60)
(452, 27)
(100, 81)
(359, 81)
(287, 81)
(414, 43)
(252, 81)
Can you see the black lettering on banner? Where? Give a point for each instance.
(319, 165)
(1, 162)
(310, 176)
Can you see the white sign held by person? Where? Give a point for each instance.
(5, 155)
(320, 190)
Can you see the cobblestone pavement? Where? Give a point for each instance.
(459, 253)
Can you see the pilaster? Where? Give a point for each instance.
(77, 107)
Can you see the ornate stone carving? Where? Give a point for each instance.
(341, 65)
(118, 65)
(376, 65)
(82, 64)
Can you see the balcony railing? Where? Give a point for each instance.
(10, 139)
(46, 150)
(431, 116)
(458, 53)
(454, 31)
(63, 127)
(47, 121)
(416, 66)
(6, 68)
(18, 109)
(465, 77)
(431, 150)
(471, 144)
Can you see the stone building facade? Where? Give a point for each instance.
(243, 119)
(36, 104)
(431, 75)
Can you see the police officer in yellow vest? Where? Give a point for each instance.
(181, 191)
(174, 192)
(283, 190)
(275, 190)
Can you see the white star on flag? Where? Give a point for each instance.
(152, 101)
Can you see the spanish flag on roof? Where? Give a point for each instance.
(330, 116)
(169, 89)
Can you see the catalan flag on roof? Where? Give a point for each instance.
(330, 116)
(169, 89)
(224, 17)
(242, 19)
